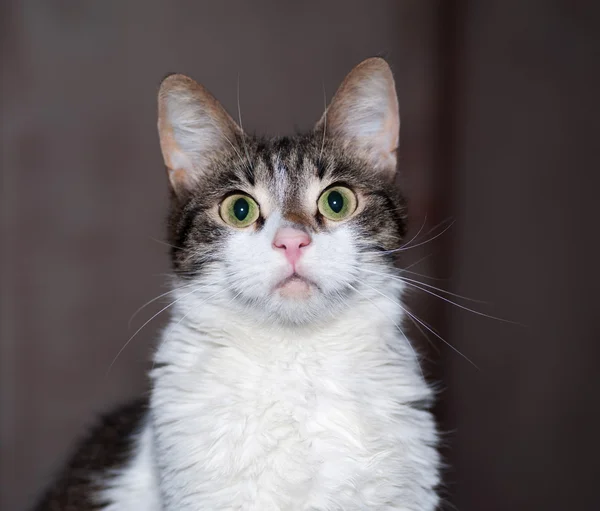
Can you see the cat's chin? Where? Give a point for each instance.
(295, 288)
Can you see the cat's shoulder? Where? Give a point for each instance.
(106, 448)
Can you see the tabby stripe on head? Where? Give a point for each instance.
(321, 168)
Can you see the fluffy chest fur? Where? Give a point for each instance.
(322, 420)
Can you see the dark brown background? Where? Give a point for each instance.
(500, 133)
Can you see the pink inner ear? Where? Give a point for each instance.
(364, 115)
(192, 125)
(391, 131)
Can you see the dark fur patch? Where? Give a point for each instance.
(107, 447)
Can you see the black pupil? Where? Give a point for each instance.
(335, 201)
(241, 208)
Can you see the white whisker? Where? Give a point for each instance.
(324, 122)
(165, 243)
(139, 309)
(407, 280)
(195, 306)
(404, 270)
(394, 323)
(241, 125)
(418, 232)
(419, 261)
(168, 293)
(140, 328)
(423, 324)
(462, 306)
(405, 247)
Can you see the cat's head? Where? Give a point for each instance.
(290, 228)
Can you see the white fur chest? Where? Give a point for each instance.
(322, 422)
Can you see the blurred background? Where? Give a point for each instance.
(499, 159)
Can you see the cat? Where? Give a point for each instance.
(284, 380)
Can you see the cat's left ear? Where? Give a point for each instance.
(363, 117)
(193, 128)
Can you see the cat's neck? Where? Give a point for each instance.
(228, 386)
(202, 322)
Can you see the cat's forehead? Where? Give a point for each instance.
(287, 176)
(286, 164)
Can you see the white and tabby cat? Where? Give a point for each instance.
(284, 380)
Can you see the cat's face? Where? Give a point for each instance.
(290, 228)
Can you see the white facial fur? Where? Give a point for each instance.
(256, 267)
(329, 262)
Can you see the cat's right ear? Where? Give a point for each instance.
(193, 128)
(363, 117)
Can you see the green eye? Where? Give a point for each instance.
(337, 203)
(239, 210)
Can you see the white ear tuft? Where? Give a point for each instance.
(363, 116)
(193, 127)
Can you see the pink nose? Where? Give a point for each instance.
(291, 241)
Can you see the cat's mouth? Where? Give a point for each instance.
(295, 286)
